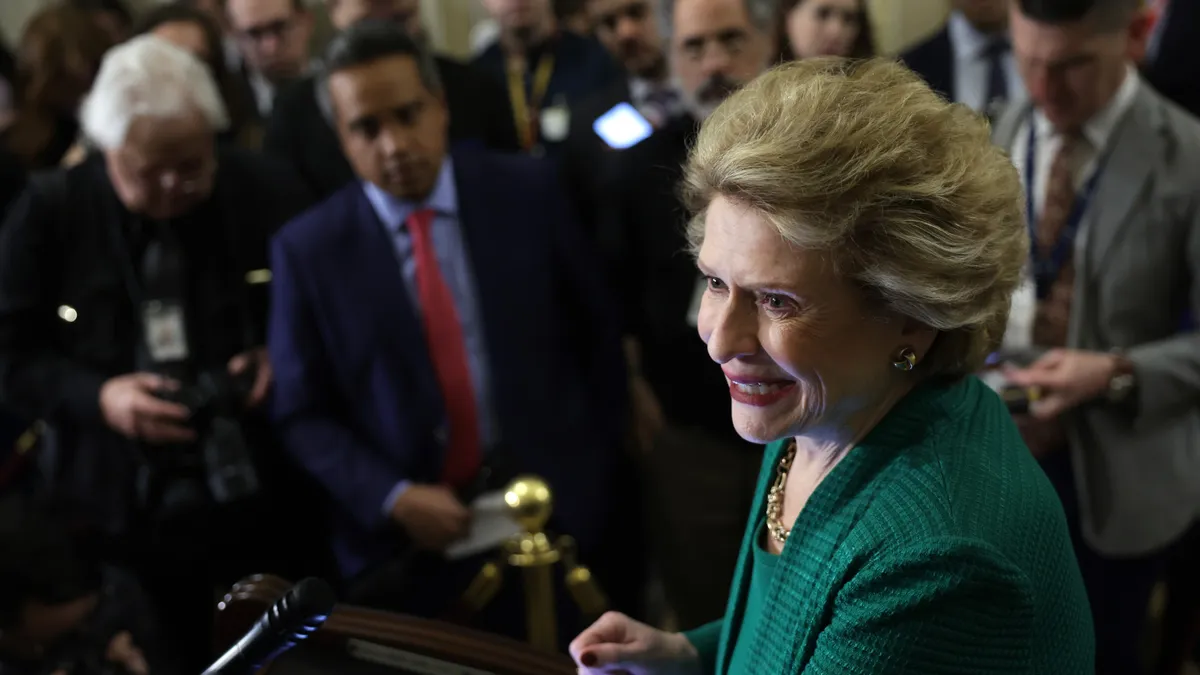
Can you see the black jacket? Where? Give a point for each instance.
(642, 232)
(590, 166)
(67, 319)
(1175, 70)
(933, 60)
(12, 180)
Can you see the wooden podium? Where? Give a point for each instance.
(357, 641)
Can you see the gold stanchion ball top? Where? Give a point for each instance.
(529, 502)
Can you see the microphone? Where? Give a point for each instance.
(295, 616)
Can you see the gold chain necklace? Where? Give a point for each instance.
(775, 525)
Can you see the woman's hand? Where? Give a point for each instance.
(618, 644)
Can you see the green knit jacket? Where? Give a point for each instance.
(935, 546)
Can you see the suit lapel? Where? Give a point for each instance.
(942, 75)
(1128, 170)
(479, 218)
(380, 280)
(1004, 131)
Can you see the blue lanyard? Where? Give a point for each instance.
(1046, 270)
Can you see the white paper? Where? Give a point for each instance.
(1018, 335)
(491, 526)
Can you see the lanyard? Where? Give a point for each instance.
(1046, 270)
(525, 111)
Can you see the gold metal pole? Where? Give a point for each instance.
(539, 607)
(580, 583)
(530, 504)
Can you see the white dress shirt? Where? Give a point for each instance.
(658, 102)
(971, 67)
(1097, 131)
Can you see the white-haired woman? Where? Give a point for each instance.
(861, 240)
(92, 335)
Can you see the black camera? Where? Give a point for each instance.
(219, 467)
(214, 393)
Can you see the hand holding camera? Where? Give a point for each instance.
(133, 407)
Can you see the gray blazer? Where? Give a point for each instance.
(1137, 260)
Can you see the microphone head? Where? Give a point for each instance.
(292, 618)
(303, 609)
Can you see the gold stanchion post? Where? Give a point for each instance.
(530, 504)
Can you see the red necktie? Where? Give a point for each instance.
(447, 349)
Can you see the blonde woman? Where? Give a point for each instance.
(861, 240)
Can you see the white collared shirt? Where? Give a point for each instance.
(1098, 131)
(971, 67)
(643, 94)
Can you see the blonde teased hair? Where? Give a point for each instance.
(904, 191)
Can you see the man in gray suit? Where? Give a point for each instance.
(1112, 172)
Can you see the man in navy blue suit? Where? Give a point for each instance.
(970, 60)
(438, 317)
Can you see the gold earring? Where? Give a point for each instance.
(906, 360)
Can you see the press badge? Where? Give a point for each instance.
(166, 338)
(556, 123)
(693, 317)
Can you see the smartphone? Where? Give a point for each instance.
(622, 127)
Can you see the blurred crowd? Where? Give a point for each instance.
(273, 304)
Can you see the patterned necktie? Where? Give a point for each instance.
(448, 351)
(1054, 311)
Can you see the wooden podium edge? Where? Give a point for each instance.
(250, 597)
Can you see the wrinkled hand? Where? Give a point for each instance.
(124, 653)
(1066, 378)
(618, 644)
(131, 408)
(263, 375)
(648, 418)
(432, 515)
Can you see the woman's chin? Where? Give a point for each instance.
(755, 427)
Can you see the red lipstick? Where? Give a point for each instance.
(758, 391)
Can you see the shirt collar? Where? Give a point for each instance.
(394, 212)
(1100, 128)
(967, 41)
(639, 89)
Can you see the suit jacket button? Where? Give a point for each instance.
(441, 434)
